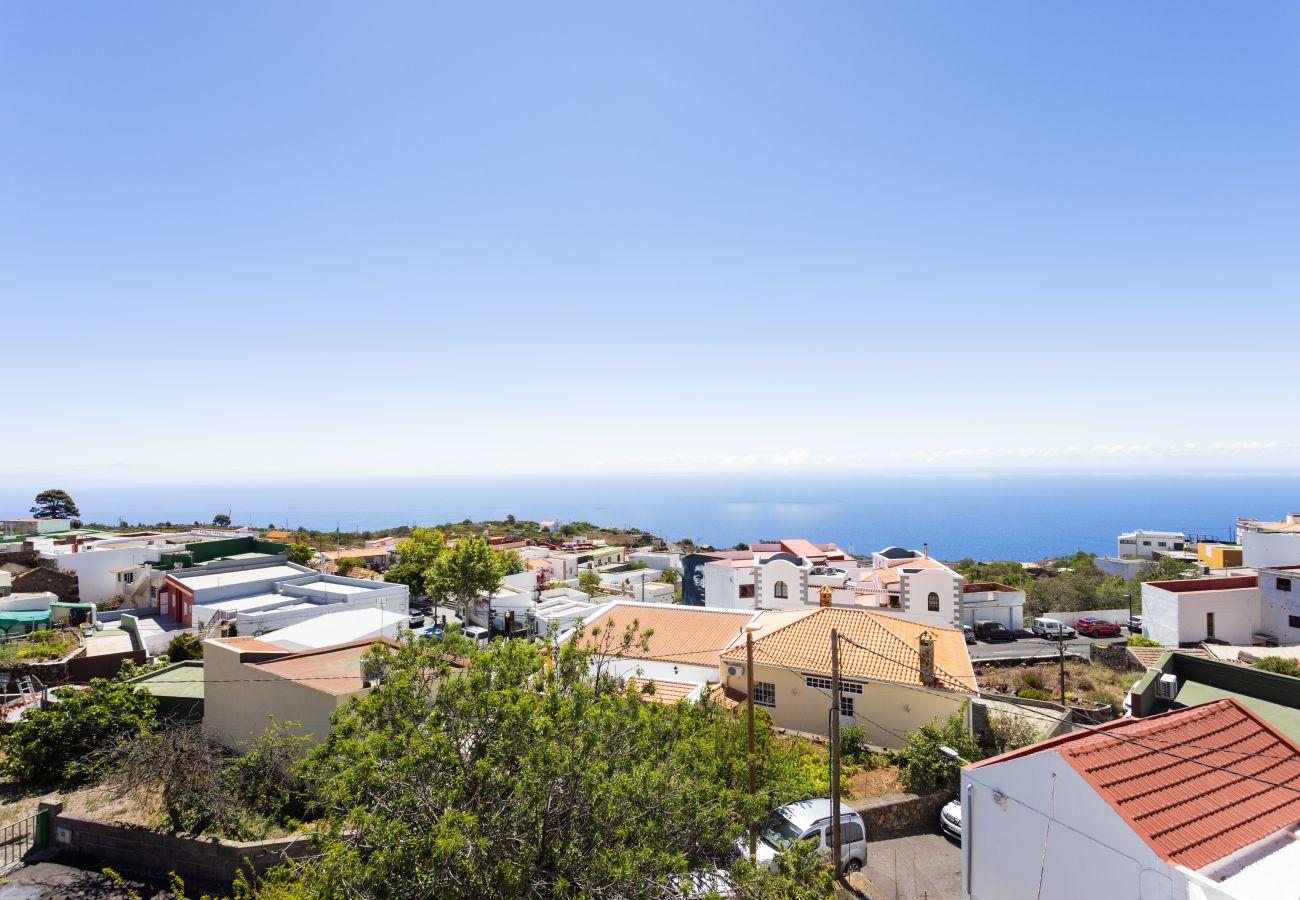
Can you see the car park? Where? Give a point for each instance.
(950, 819)
(807, 820)
(1094, 627)
(993, 632)
(1053, 629)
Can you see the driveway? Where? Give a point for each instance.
(1027, 645)
(922, 866)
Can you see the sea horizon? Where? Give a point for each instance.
(1021, 515)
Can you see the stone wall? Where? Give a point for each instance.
(898, 813)
(133, 848)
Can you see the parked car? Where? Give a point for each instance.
(950, 819)
(1094, 627)
(476, 633)
(416, 620)
(809, 819)
(1053, 629)
(968, 633)
(993, 632)
(433, 631)
(1135, 624)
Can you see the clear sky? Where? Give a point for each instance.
(316, 239)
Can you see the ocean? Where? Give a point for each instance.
(985, 516)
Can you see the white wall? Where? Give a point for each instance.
(1174, 619)
(721, 587)
(1269, 548)
(1004, 607)
(660, 561)
(1090, 851)
(94, 578)
(776, 570)
(915, 590)
(1277, 607)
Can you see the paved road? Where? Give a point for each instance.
(1028, 645)
(924, 866)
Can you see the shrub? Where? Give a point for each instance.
(1032, 680)
(922, 765)
(1007, 733)
(853, 743)
(1033, 694)
(1279, 664)
(1141, 640)
(63, 744)
(184, 646)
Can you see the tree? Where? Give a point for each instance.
(301, 554)
(415, 557)
(221, 520)
(470, 568)
(63, 744)
(516, 779)
(589, 582)
(670, 576)
(346, 564)
(511, 562)
(54, 504)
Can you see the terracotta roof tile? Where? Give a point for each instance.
(892, 654)
(1197, 784)
(664, 691)
(691, 635)
(728, 698)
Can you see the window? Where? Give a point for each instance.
(747, 592)
(780, 591)
(1209, 626)
(850, 833)
(128, 577)
(933, 601)
(1146, 543)
(846, 707)
(764, 693)
(1284, 584)
(1293, 621)
(1178, 545)
(893, 601)
(822, 683)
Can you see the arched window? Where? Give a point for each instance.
(780, 591)
(934, 601)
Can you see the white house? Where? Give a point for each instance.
(1115, 565)
(1199, 609)
(1162, 808)
(1145, 544)
(336, 628)
(1269, 543)
(988, 601)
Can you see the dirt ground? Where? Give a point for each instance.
(1087, 681)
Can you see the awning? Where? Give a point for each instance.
(13, 618)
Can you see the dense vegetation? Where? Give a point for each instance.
(1073, 583)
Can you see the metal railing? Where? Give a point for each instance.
(17, 839)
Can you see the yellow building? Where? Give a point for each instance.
(1218, 556)
(895, 674)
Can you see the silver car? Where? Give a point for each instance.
(810, 819)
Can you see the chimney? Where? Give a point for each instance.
(825, 594)
(925, 550)
(925, 646)
(76, 543)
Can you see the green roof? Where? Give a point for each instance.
(182, 679)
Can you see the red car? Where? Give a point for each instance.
(1096, 627)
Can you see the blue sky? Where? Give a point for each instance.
(318, 239)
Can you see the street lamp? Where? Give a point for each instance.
(952, 754)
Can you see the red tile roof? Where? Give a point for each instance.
(1196, 784)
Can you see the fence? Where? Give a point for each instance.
(17, 839)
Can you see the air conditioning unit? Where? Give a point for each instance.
(735, 671)
(1167, 687)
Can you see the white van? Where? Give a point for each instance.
(810, 819)
(476, 633)
(1052, 628)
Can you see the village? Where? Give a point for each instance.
(949, 719)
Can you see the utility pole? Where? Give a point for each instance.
(749, 704)
(835, 752)
(1060, 646)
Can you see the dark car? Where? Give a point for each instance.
(1094, 627)
(993, 632)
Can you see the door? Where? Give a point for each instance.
(1209, 626)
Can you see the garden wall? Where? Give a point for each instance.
(133, 848)
(897, 813)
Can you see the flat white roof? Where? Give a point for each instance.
(240, 576)
(243, 604)
(336, 628)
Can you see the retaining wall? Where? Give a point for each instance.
(896, 813)
(133, 848)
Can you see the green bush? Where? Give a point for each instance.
(922, 765)
(1032, 680)
(1033, 694)
(65, 743)
(853, 743)
(184, 646)
(347, 563)
(1141, 640)
(1279, 664)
